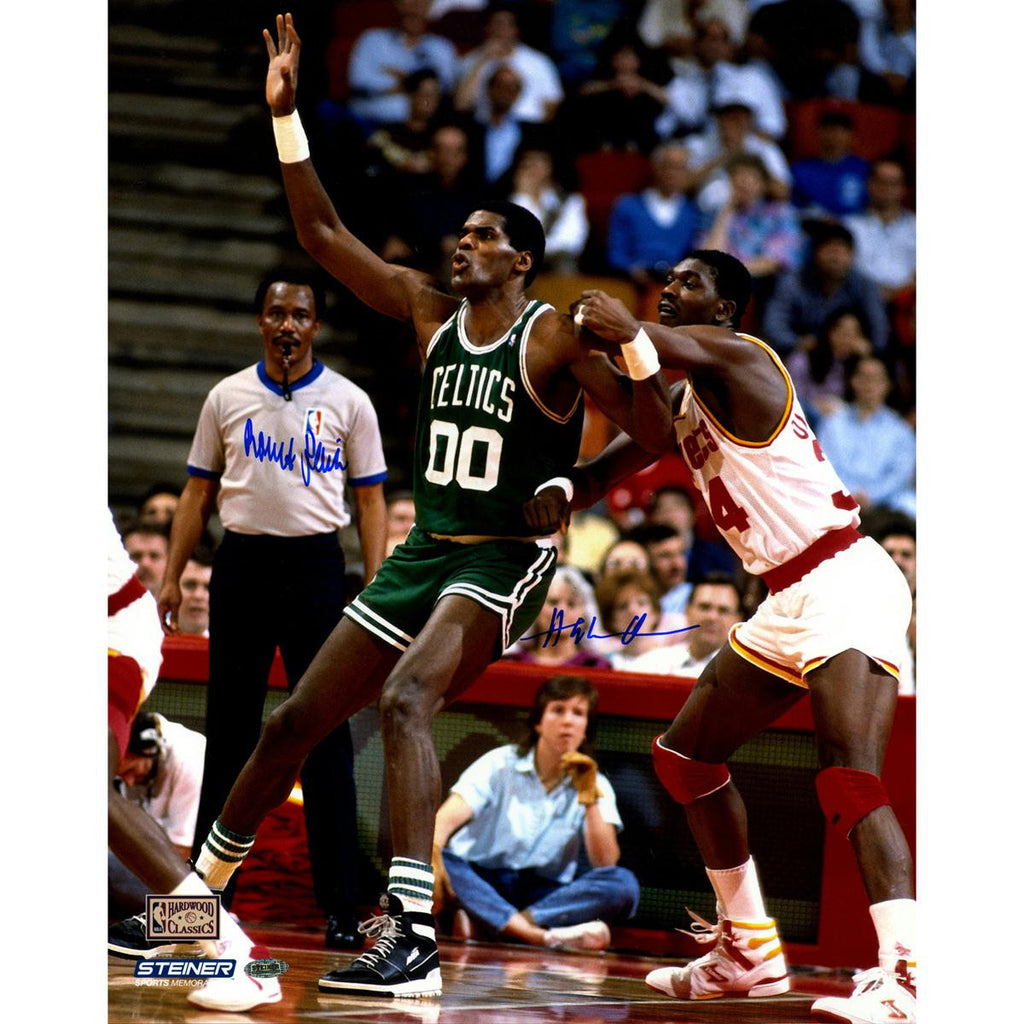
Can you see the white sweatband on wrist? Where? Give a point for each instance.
(292, 147)
(641, 356)
(558, 481)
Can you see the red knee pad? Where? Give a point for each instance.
(687, 780)
(848, 795)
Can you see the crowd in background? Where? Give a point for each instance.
(781, 132)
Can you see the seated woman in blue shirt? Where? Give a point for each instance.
(512, 830)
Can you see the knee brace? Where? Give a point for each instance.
(685, 779)
(848, 795)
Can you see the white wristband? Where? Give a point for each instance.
(641, 356)
(292, 147)
(558, 481)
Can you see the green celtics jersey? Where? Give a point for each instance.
(484, 440)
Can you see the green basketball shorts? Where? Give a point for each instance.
(508, 577)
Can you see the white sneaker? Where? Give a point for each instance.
(880, 997)
(747, 961)
(241, 991)
(590, 937)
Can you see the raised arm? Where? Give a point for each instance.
(392, 290)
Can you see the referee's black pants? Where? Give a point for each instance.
(288, 592)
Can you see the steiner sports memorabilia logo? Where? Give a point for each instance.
(182, 918)
(267, 967)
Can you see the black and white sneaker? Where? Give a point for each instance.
(127, 939)
(402, 962)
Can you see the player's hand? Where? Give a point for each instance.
(548, 511)
(283, 72)
(605, 322)
(168, 602)
(582, 770)
(443, 891)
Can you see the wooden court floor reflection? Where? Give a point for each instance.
(483, 984)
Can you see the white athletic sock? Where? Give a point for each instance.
(739, 892)
(896, 926)
(412, 882)
(193, 885)
(221, 854)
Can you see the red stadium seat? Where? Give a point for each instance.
(877, 130)
(605, 175)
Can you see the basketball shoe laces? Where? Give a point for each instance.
(385, 930)
(701, 931)
(875, 977)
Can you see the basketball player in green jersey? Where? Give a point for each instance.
(500, 419)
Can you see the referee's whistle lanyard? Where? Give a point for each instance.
(286, 358)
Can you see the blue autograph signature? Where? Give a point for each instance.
(576, 631)
(315, 457)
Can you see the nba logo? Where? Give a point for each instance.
(314, 421)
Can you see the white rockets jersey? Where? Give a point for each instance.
(769, 499)
(120, 567)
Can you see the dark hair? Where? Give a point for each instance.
(160, 487)
(292, 275)
(674, 489)
(525, 232)
(821, 358)
(560, 688)
(732, 279)
(837, 118)
(650, 533)
(824, 231)
(202, 554)
(718, 578)
(415, 79)
(400, 495)
(147, 528)
(144, 739)
(749, 160)
(881, 523)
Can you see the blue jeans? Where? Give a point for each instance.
(494, 895)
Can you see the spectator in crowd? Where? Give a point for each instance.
(870, 445)
(496, 134)
(649, 232)
(666, 550)
(279, 573)
(401, 514)
(541, 88)
(803, 298)
(146, 544)
(509, 839)
(730, 132)
(624, 556)
(161, 772)
(820, 372)
(402, 148)
(629, 606)
(618, 107)
(562, 212)
(763, 233)
(885, 234)
(673, 506)
(714, 607)
(888, 47)
(570, 606)
(158, 504)
(194, 611)
(425, 222)
(713, 75)
(383, 57)
(803, 41)
(834, 182)
(667, 25)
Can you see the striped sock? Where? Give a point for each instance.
(413, 882)
(221, 854)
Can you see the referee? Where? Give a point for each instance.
(274, 448)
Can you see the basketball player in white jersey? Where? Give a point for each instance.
(832, 624)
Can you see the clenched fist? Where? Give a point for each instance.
(582, 770)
